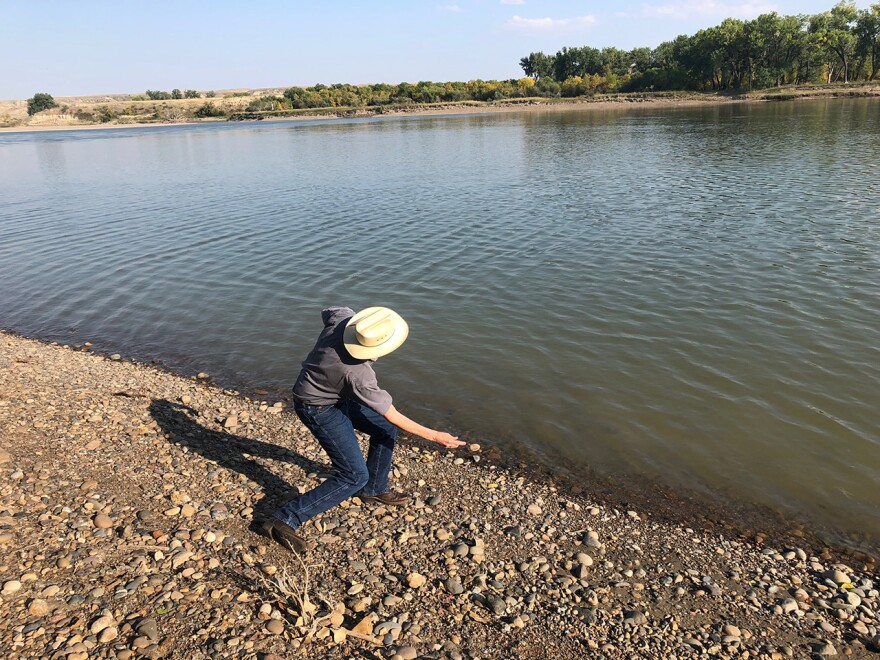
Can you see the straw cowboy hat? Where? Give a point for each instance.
(374, 332)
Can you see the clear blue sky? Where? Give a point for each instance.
(87, 47)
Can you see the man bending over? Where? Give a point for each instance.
(336, 392)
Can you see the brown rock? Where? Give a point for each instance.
(102, 521)
(101, 623)
(364, 626)
(416, 580)
(38, 607)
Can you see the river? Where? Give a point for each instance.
(688, 295)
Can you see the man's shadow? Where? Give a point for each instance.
(233, 452)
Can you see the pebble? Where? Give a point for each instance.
(38, 607)
(836, 576)
(10, 587)
(416, 580)
(274, 626)
(496, 604)
(148, 628)
(453, 586)
(825, 649)
(103, 521)
(584, 559)
(533, 510)
(591, 539)
(635, 618)
(101, 623)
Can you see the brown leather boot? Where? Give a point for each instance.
(389, 498)
(285, 536)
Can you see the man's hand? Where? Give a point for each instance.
(447, 440)
(402, 421)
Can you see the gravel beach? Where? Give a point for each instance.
(127, 501)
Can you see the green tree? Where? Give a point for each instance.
(833, 32)
(176, 94)
(775, 45)
(867, 32)
(39, 102)
(638, 59)
(190, 94)
(209, 110)
(537, 65)
(575, 62)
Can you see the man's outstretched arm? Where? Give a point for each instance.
(403, 422)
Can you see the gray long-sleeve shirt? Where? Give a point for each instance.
(330, 374)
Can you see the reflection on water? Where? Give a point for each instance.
(689, 294)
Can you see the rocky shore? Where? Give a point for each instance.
(127, 500)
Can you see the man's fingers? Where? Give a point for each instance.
(448, 440)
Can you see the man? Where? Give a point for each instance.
(336, 392)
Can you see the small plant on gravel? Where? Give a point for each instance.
(294, 591)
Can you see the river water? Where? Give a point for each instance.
(688, 295)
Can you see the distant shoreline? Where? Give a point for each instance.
(600, 102)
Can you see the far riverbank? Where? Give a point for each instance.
(55, 121)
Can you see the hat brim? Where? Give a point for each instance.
(360, 352)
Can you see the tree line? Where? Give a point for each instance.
(379, 94)
(155, 95)
(839, 45)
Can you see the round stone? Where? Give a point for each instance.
(274, 627)
(453, 586)
(102, 521)
(10, 587)
(101, 623)
(38, 607)
(416, 580)
(584, 559)
(837, 577)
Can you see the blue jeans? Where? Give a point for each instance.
(333, 427)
